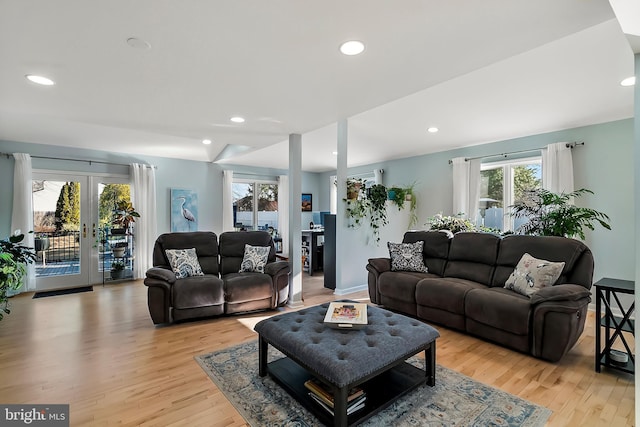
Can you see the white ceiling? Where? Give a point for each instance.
(480, 71)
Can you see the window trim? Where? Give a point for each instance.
(255, 183)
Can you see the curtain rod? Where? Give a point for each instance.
(568, 145)
(8, 155)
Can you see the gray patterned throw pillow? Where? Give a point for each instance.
(255, 258)
(532, 274)
(184, 262)
(407, 256)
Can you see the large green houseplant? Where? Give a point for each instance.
(551, 214)
(14, 258)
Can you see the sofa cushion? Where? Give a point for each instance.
(532, 274)
(254, 259)
(197, 291)
(400, 285)
(205, 242)
(472, 256)
(407, 257)
(243, 287)
(232, 248)
(435, 250)
(552, 248)
(499, 308)
(184, 262)
(444, 293)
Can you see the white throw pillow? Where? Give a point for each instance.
(532, 274)
(255, 258)
(184, 262)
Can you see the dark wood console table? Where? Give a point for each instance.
(607, 291)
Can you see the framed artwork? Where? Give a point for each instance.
(184, 210)
(306, 202)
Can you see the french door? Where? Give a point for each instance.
(67, 227)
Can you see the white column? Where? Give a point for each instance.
(341, 221)
(295, 220)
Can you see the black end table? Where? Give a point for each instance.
(607, 291)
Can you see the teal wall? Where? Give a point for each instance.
(604, 165)
(203, 177)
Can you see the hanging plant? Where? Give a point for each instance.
(377, 208)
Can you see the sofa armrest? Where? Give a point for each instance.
(557, 320)
(160, 274)
(376, 267)
(379, 265)
(566, 292)
(276, 268)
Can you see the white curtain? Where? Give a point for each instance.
(466, 187)
(557, 168)
(283, 212)
(144, 201)
(227, 201)
(22, 214)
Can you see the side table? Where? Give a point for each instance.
(607, 291)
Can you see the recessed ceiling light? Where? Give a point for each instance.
(629, 81)
(433, 129)
(137, 43)
(335, 153)
(352, 47)
(237, 119)
(40, 80)
(206, 141)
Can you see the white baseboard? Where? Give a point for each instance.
(351, 290)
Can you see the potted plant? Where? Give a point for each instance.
(454, 224)
(14, 258)
(397, 195)
(354, 188)
(117, 270)
(552, 214)
(123, 216)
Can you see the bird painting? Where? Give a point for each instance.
(183, 210)
(187, 214)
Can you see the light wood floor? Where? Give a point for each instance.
(99, 352)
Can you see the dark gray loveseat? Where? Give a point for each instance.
(464, 289)
(222, 289)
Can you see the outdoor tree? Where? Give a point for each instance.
(67, 215)
(109, 198)
(525, 178)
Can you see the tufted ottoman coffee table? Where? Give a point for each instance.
(372, 358)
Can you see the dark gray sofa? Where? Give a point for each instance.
(464, 289)
(222, 289)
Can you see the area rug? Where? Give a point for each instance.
(456, 400)
(44, 294)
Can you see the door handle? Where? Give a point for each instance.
(84, 231)
(94, 230)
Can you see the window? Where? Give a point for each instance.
(501, 185)
(255, 205)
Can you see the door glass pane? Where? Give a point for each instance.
(267, 206)
(56, 224)
(115, 249)
(492, 198)
(243, 205)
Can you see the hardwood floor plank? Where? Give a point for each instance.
(100, 352)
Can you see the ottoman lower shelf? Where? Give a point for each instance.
(381, 390)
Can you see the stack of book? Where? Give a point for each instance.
(324, 397)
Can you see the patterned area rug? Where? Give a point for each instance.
(456, 400)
